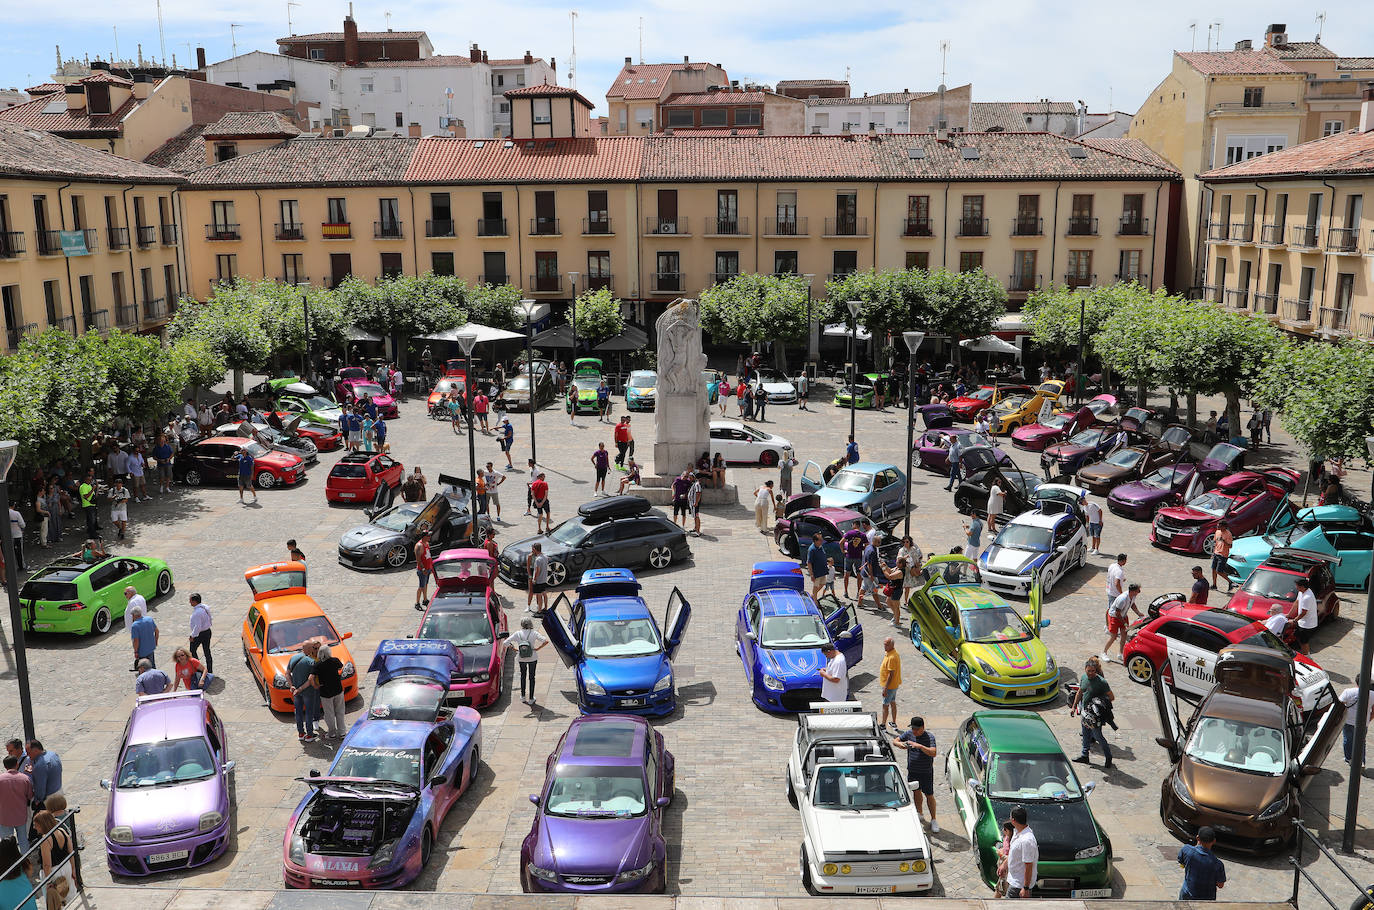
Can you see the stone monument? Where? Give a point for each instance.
(681, 431)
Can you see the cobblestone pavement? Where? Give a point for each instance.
(730, 829)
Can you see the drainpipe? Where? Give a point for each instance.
(1154, 240)
(1054, 234)
(1264, 214)
(415, 237)
(944, 232)
(133, 273)
(62, 222)
(1326, 259)
(262, 241)
(874, 227)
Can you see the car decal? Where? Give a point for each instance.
(1013, 653)
(800, 662)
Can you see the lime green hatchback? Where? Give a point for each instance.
(79, 597)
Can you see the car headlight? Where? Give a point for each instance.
(209, 821)
(664, 683)
(829, 869)
(1182, 793)
(844, 869)
(593, 687)
(373, 547)
(348, 670)
(481, 677)
(634, 875)
(918, 866)
(1090, 852)
(297, 851)
(544, 875)
(770, 682)
(1049, 664)
(280, 682)
(121, 834)
(383, 855)
(986, 667)
(1275, 809)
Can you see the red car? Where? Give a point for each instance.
(325, 437)
(1246, 501)
(1274, 581)
(1061, 425)
(966, 407)
(466, 611)
(213, 460)
(357, 476)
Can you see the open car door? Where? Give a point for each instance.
(1285, 516)
(1034, 596)
(1321, 729)
(433, 514)
(843, 623)
(675, 621)
(1172, 740)
(1082, 419)
(559, 635)
(1046, 410)
(811, 478)
(929, 630)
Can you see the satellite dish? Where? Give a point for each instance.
(246, 430)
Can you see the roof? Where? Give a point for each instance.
(548, 91)
(434, 60)
(251, 125)
(804, 83)
(1234, 63)
(880, 98)
(107, 76)
(1017, 731)
(592, 732)
(1039, 519)
(34, 153)
(709, 99)
(786, 602)
(607, 158)
(166, 718)
(646, 80)
(1127, 148)
(1342, 63)
(285, 607)
(316, 162)
(1011, 115)
(399, 734)
(49, 113)
(1342, 154)
(711, 131)
(362, 36)
(1301, 50)
(615, 606)
(45, 88)
(183, 153)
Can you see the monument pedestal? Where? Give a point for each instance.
(659, 491)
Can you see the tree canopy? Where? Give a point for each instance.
(597, 315)
(755, 308)
(1324, 394)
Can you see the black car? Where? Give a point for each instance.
(388, 539)
(981, 467)
(617, 532)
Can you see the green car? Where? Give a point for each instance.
(1003, 759)
(317, 408)
(77, 597)
(587, 377)
(862, 393)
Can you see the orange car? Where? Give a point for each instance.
(282, 618)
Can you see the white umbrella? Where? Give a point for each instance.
(842, 331)
(990, 344)
(483, 333)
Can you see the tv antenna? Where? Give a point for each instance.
(1321, 24)
(290, 28)
(115, 29)
(387, 15)
(234, 50)
(161, 38)
(944, 57)
(1218, 23)
(572, 58)
(1192, 29)
(641, 40)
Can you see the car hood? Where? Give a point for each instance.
(1012, 560)
(1009, 657)
(794, 665)
(1186, 514)
(1067, 450)
(869, 831)
(366, 536)
(591, 846)
(1062, 828)
(840, 499)
(279, 459)
(586, 392)
(1138, 493)
(515, 393)
(477, 658)
(782, 388)
(626, 672)
(1230, 791)
(637, 392)
(158, 812)
(1036, 431)
(1101, 471)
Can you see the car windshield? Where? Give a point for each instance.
(1239, 746)
(570, 532)
(620, 638)
(464, 570)
(1272, 585)
(990, 625)
(982, 395)
(859, 787)
(1213, 503)
(362, 389)
(1263, 638)
(1007, 405)
(462, 627)
(852, 482)
(1032, 777)
(857, 389)
(1126, 458)
(953, 573)
(1225, 453)
(771, 376)
(171, 761)
(1026, 537)
(444, 386)
(643, 382)
(1087, 438)
(399, 518)
(587, 792)
(793, 632)
(1055, 421)
(379, 763)
(319, 403)
(289, 634)
(1163, 479)
(267, 582)
(407, 698)
(519, 383)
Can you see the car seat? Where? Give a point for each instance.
(599, 637)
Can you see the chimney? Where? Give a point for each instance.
(1367, 109)
(529, 58)
(76, 96)
(200, 58)
(1245, 44)
(1276, 36)
(942, 135)
(350, 30)
(684, 58)
(475, 54)
(484, 56)
(628, 61)
(413, 131)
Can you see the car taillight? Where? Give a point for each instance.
(72, 607)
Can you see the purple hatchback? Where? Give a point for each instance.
(599, 824)
(169, 800)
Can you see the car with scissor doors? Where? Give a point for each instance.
(1249, 502)
(803, 518)
(1140, 459)
(622, 658)
(860, 395)
(414, 680)
(309, 405)
(1336, 530)
(1274, 583)
(739, 443)
(466, 611)
(992, 651)
(1019, 410)
(285, 439)
(1048, 543)
(1139, 500)
(779, 634)
(712, 379)
(1063, 459)
(968, 406)
(876, 490)
(861, 832)
(388, 539)
(981, 466)
(78, 596)
(1242, 759)
(1004, 759)
(1056, 427)
(931, 448)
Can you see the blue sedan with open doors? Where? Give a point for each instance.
(876, 490)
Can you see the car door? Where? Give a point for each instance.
(1035, 598)
(1172, 738)
(632, 540)
(390, 470)
(559, 634)
(1355, 548)
(891, 491)
(746, 634)
(106, 586)
(1192, 652)
(1325, 727)
(930, 627)
(258, 635)
(596, 551)
(720, 443)
(214, 460)
(842, 621)
(811, 477)
(675, 619)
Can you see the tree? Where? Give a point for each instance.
(596, 314)
(1205, 349)
(146, 377)
(495, 305)
(755, 308)
(1053, 315)
(892, 300)
(55, 392)
(1324, 394)
(963, 304)
(1127, 342)
(230, 324)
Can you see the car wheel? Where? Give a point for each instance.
(791, 793)
(192, 478)
(100, 623)
(965, 678)
(164, 583)
(916, 634)
(1208, 545)
(768, 458)
(659, 557)
(426, 845)
(396, 556)
(806, 873)
(266, 480)
(1139, 669)
(1047, 583)
(962, 505)
(558, 573)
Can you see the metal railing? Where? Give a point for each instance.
(126, 314)
(497, 279)
(1295, 309)
(1027, 226)
(1216, 230)
(215, 232)
(11, 244)
(439, 227)
(599, 226)
(1081, 226)
(1023, 282)
(726, 227)
(387, 230)
(1133, 226)
(1367, 325)
(1304, 235)
(796, 226)
(1238, 299)
(1134, 278)
(289, 231)
(66, 823)
(1335, 318)
(1079, 280)
(169, 235)
(49, 243)
(1267, 304)
(544, 227)
(92, 239)
(846, 227)
(1272, 233)
(836, 276)
(1300, 872)
(600, 282)
(1262, 106)
(295, 280)
(119, 237)
(336, 230)
(1343, 240)
(1209, 292)
(96, 319)
(14, 336)
(155, 308)
(1242, 231)
(146, 234)
(972, 227)
(65, 323)
(545, 284)
(654, 225)
(665, 282)
(720, 277)
(917, 227)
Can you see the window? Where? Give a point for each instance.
(503, 107)
(622, 121)
(396, 85)
(491, 206)
(389, 216)
(678, 117)
(1023, 277)
(494, 268)
(785, 262)
(226, 150)
(973, 207)
(52, 300)
(9, 294)
(598, 214)
(222, 214)
(668, 276)
(1243, 148)
(169, 281)
(87, 286)
(338, 211)
(644, 117)
(290, 214)
(391, 265)
(1331, 127)
(918, 259)
(970, 261)
(340, 267)
(1081, 263)
(748, 116)
(542, 109)
(365, 86)
(1345, 291)
(400, 120)
(917, 211)
(598, 269)
(117, 290)
(98, 97)
(847, 213)
(546, 277)
(1128, 268)
(822, 120)
(369, 119)
(1082, 205)
(441, 263)
(317, 53)
(714, 116)
(727, 264)
(1254, 96)
(292, 268)
(844, 262)
(226, 267)
(727, 212)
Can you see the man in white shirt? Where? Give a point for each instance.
(835, 676)
(1307, 616)
(1116, 579)
(201, 623)
(1119, 620)
(1094, 513)
(1351, 699)
(1023, 858)
(1277, 621)
(875, 536)
(996, 502)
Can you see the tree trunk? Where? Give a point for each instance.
(1233, 412)
(780, 356)
(1192, 407)
(238, 383)
(1140, 393)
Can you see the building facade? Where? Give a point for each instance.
(632, 101)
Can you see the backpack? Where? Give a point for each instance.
(524, 649)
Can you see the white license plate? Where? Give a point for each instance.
(337, 883)
(345, 495)
(874, 889)
(168, 857)
(1091, 892)
(1026, 693)
(42, 625)
(632, 702)
(1163, 536)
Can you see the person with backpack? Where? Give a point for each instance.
(526, 642)
(1093, 703)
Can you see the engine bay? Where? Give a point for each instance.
(354, 827)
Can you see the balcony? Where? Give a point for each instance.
(655, 225)
(1334, 319)
(119, 237)
(126, 314)
(1140, 278)
(290, 231)
(720, 277)
(846, 227)
(1081, 226)
(1079, 280)
(155, 308)
(726, 227)
(1238, 299)
(387, 230)
(497, 279)
(1027, 226)
(600, 283)
(1242, 231)
(147, 235)
(1216, 230)
(917, 227)
(1304, 236)
(11, 244)
(169, 235)
(14, 336)
(1209, 292)
(666, 282)
(336, 230)
(1271, 235)
(840, 276)
(299, 281)
(599, 226)
(544, 227)
(1367, 325)
(1242, 107)
(212, 232)
(1296, 311)
(439, 227)
(1133, 226)
(49, 243)
(1267, 304)
(784, 227)
(95, 319)
(545, 284)
(972, 227)
(1343, 240)
(92, 239)
(491, 227)
(1020, 284)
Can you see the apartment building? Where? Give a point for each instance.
(754, 112)
(88, 240)
(806, 89)
(632, 101)
(890, 112)
(1289, 237)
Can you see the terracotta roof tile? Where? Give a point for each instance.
(548, 91)
(35, 153)
(605, 158)
(183, 153)
(362, 36)
(1301, 50)
(1011, 115)
(712, 99)
(713, 131)
(638, 81)
(1133, 149)
(251, 124)
(315, 162)
(45, 88)
(809, 83)
(435, 60)
(1355, 63)
(1234, 63)
(36, 115)
(512, 61)
(107, 76)
(1341, 154)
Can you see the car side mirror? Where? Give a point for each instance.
(534, 798)
(846, 634)
(1044, 623)
(314, 772)
(1165, 742)
(346, 635)
(369, 513)
(663, 801)
(229, 766)
(953, 631)
(1089, 787)
(503, 635)
(975, 785)
(105, 784)
(751, 635)
(255, 650)
(437, 780)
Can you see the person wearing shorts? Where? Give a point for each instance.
(682, 484)
(539, 491)
(537, 570)
(601, 461)
(890, 678)
(1221, 551)
(493, 480)
(245, 463)
(920, 765)
(424, 565)
(852, 546)
(1119, 620)
(119, 506)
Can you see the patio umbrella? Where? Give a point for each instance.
(842, 331)
(632, 338)
(560, 336)
(484, 333)
(353, 333)
(990, 344)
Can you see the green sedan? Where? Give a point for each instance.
(861, 392)
(77, 597)
(1003, 759)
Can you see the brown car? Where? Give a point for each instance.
(1134, 462)
(1241, 761)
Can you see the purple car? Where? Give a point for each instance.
(169, 800)
(598, 828)
(932, 447)
(1140, 500)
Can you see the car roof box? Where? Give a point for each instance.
(608, 583)
(611, 507)
(1254, 672)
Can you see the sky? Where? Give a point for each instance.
(1107, 54)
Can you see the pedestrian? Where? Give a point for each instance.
(631, 478)
(41, 512)
(1197, 594)
(138, 482)
(86, 492)
(369, 436)
(622, 440)
(1349, 697)
(919, 744)
(1119, 620)
(763, 507)
(761, 403)
(834, 675)
(870, 571)
(889, 679)
(55, 851)
(892, 588)
(329, 685)
(16, 795)
(718, 471)
(144, 632)
(851, 451)
(830, 576)
(973, 536)
(493, 480)
(786, 464)
(1221, 550)
(803, 385)
(1306, 617)
(1267, 421)
(694, 505)
(507, 441)
(244, 459)
(1003, 849)
(305, 693)
(45, 770)
(480, 406)
(17, 526)
(379, 432)
(539, 492)
(815, 559)
(741, 388)
(1277, 621)
(188, 672)
(603, 401)
(15, 873)
(997, 499)
(480, 493)
(682, 485)
(1116, 579)
(352, 426)
(526, 643)
(424, 565)
(489, 543)
(630, 437)
(150, 680)
(1255, 425)
(55, 495)
(852, 544)
(537, 572)
(293, 552)
(1094, 513)
(1203, 873)
(572, 403)
(163, 454)
(956, 448)
(1023, 857)
(601, 462)
(119, 508)
(1092, 702)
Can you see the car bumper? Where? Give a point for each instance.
(783, 398)
(788, 701)
(280, 699)
(649, 884)
(515, 577)
(872, 884)
(333, 494)
(481, 693)
(1136, 511)
(655, 704)
(328, 444)
(137, 859)
(1065, 878)
(70, 622)
(640, 404)
(1178, 541)
(1014, 584)
(362, 559)
(1029, 690)
(1030, 443)
(387, 877)
(1240, 833)
(587, 406)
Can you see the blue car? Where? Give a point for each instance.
(1332, 530)
(876, 490)
(779, 634)
(622, 658)
(641, 391)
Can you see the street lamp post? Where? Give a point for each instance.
(1078, 380)
(1352, 799)
(527, 306)
(913, 341)
(8, 450)
(467, 341)
(572, 279)
(854, 307)
(811, 352)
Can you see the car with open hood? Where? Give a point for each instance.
(740, 443)
(1248, 501)
(804, 517)
(981, 467)
(285, 439)
(861, 394)
(779, 388)
(641, 390)
(301, 400)
(1019, 410)
(281, 619)
(586, 375)
(78, 596)
(1056, 427)
(713, 379)
(621, 656)
(359, 391)
(991, 650)
(1243, 757)
(1136, 461)
(1335, 530)
(598, 822)
(388, 539)
(615, 532)
(931, 448)
(968, 406)
(1140, 499)
(443, 390)
(1274, 582)
(1049, 542)
(1003, 759)
(214, 459)
(779, 634)
(877, 490)
(169, 798)
(466, 612)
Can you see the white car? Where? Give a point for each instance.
(861, 833)
(740, 443)
(1052, 544)
(779, 388)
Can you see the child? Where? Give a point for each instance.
(830, 576)
(1002, 850)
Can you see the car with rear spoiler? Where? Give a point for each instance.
(466, 612)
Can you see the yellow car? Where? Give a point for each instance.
(1019, 410)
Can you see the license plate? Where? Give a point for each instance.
(42, 625)
(1026, 693)
(168, 857)
(875, 889)
(632, 702)
(336, 883)
(1091, 892)
(1163, 536)
(345, 495)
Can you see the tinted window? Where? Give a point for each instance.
(48, 590)
(348, 470)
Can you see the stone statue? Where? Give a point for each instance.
(681, 431)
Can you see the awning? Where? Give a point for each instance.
(1012, 322)
(560, 336)
(990, 344)
(632, 338)
(353, 333)
(484, 333)
(842, 331)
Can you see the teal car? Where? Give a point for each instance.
(587, 377)
(1003, 759)
(641, 391)
(861, 393)
(78, 597)
(713, 379)
(1331, 530)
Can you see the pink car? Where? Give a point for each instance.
(1035, 437)
(358, 390)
